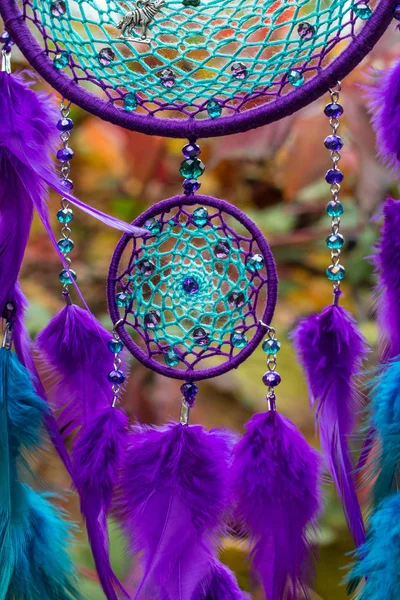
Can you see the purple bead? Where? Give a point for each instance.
(9, 311)
(271, 379)
(190, 186)
(67, 184)
(189, 392)
(222, 249)
(147, 267)
(5, 37)
(8, 47)
(65, 125)
(306, 31)
(396, 12)
(65, 154)
(106, 56)
(334, 176)
(333, 142)
(333, 110)
(190, 285)
(201, 336)
(236, 299)
(152, 319)
(191, 151)
(116, 376)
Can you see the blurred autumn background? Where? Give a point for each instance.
(276, 175)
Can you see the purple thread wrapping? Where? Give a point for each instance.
(274, 105)
(263, 283)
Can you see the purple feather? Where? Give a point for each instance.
(384, 105)
(222, 584)
(97, 457)
(172, 499)
(275, 487)
(332, 351)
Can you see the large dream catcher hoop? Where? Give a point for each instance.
(192, 290)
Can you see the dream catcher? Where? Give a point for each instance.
(191, 292)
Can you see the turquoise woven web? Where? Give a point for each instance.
(192, 291)
(223, 56)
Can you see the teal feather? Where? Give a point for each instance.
(378, 559)
(34, 538)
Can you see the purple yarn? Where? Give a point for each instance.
(275, 487)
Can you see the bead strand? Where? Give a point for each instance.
(191, 168)
(116, 377)
(189, 392)
(271, 378)
(334, 176)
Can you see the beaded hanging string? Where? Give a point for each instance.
(271, 378)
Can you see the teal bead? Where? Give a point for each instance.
(214, 108)
(65, 215)
(123, 299)
(255, 263)
(200, 216)
(153, 225)
(171, 358)
(271, 346)
(335, 273)
(335, 241)
(363, 11)
(334, 209)
(295, 78)
(115, 346)
(61, 60)
(239, 340)
(191, 3)
(130, 102)
(67, 278)
(192, 168)
(65, 245)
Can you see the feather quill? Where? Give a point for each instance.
(332, 350)
(171, 501)
(275, 488)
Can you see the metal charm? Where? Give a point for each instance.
(141, 16)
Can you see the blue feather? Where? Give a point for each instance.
(378, 559)
(34, 539)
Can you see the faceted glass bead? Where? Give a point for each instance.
(334, 176)
(67, 278)
(190, 186)
(255, 263)
(65, 245)
(115, 346)
(192, 3)
(61, 60)
(65, 215)
(189, 392)
(214, 108)
(171, 358)
(334, 209)
(236, 299)
(192, 168)
(271, 379)
(335, 241)
(65, 154)
(295, 78)
(8, 311)
(191, 150)
(335, 273)
(333, 142)
(201, 336)
(5, 37)
(116, 376)
(190, 285)
(333, 110)
(271, 346)
(153, 225)
(200, 216)
(152, 319)
(106, 56)
(146, 267)
(306, 31)
(396, 12)
(58, 8)
(67, 184)
(239, 71)
(168, 78)
(222, 249)
(123, 299)
(65, 125)
(238, 340)
(363, 11)
(130, 102)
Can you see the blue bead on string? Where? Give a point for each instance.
(271, 378)
(191, 168)
(116, 376)
(189, 392)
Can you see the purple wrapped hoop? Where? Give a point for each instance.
(244, 109)
(191, 299)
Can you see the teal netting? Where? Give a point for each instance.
(203, 56)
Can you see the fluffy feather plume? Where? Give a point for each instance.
(34, 561)
(221, 584)
(275, 487)
(379, 558)
(332, 350)
(384, 105)
(172, 498)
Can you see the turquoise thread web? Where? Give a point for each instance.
(199, 45)
(184, 250)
